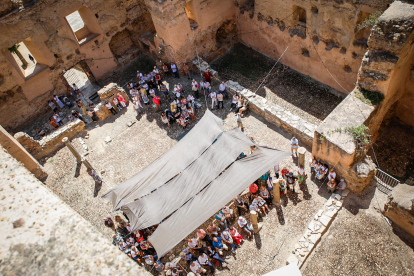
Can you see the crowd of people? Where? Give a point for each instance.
(62, 103)
(150, 90)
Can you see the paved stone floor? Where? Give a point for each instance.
(133, 148)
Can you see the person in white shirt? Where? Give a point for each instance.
(207, 87)
(134, 254)
(239, 121)
(175, 70)
(196, 268)
(203, 260)
(177, 91)
(137, 106)
(332, 174)
(294, 145)
(155, 71)
(312, 164)
(276, 169)
(242, 222)
(190, 98)
(234, 102)
(194, 87)
(139, 75)
(193, 244)
(222, 89)
(213, 97)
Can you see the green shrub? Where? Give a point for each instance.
(371, 21)
(369, 97)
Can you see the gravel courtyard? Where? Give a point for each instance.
(133, 148)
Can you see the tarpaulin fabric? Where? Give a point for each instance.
(153, 208)
(170, 163)
(216, 195)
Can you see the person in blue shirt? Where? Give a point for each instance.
(219, 246)
(221, 219)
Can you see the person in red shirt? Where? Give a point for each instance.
(156, 101)
(53, 123)
(207, 76)
(253, 191)
(158, 80)
(284, 172)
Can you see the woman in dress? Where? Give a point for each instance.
(58, 101)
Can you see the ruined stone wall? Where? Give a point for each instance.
(405, 106)
(42, 26)
(330, 26)
(185, 27)
(387, 66)
(385, 71)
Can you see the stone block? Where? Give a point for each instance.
(314, 238)
(325, 220)
(331, 213)
(292, 259)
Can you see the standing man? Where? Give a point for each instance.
(239, 121)
(294, 145)
(222, 89)
(95, 177)
(194, 87)
(207, 76)
(220, 100)
(186, 70)
(175, 70)
(213, 97)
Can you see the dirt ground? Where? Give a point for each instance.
(361, 242)
(298, 93)
(133, 148)
(395, 156)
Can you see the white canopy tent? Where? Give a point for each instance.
(192, 181)
(221, 191)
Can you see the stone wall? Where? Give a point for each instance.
(43, 28)
(275, 114)
(186, 27)
(41, 235)
(326, 30)
(387, 66)
(15, 149)
(400, 207)
(334, 146)
(385, 70)
(51, 142)
(107, 94)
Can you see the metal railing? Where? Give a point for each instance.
(385, 182)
